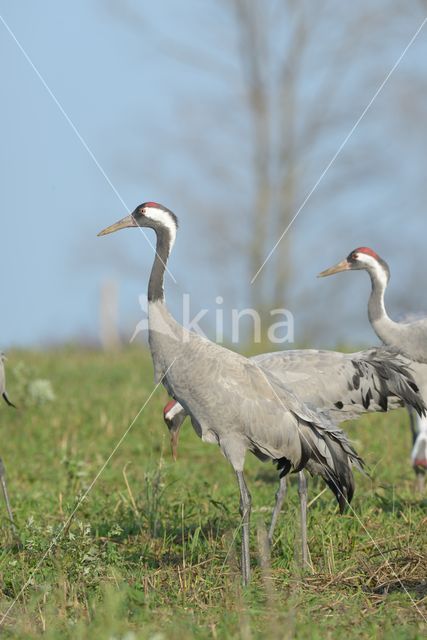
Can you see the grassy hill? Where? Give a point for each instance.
(152, 552)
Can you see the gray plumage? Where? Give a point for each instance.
(335, 385)
(409, 337)
(3, 391)
(343, 386)
(235, 402)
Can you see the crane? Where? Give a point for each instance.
(408, 337)
(5, 396)
(233, 401)
(367, 381)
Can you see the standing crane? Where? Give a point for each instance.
(5, 396)
(367, 381)
(410, 338)
(232, 401)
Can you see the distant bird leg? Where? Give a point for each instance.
(419, 451)
(420, 476)
(245, 512)
(6, 495)
(302, 491)
(280, 497)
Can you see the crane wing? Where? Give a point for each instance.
(343, 386)
(325, 448)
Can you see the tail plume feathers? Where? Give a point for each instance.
(332, 457)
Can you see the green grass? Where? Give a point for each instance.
(153, 550)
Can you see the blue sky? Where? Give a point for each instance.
(54, 197)
(127, 97)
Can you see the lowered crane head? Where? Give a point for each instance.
(174, 415)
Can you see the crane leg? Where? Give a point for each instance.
(245, 512)
(302, 491)
(420, 480)
(280, 496)
(418, 428)
(6, 495)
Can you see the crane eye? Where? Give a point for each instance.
(354, 256)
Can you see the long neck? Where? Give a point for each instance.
(164, 333)
(163, 247)
(381, 322)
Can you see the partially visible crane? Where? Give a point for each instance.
(410, 338)
(367, 381)
(5, 396)
(233, 401)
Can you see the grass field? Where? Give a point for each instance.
(153, 550)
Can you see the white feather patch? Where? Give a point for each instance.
(177, 408)
(165, 219)
(373, 265)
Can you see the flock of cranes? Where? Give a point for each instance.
(284, 407)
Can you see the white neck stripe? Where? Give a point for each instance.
(165, 219)
(374, 266)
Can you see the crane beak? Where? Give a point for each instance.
(344, 265)
(174, 444)
(129, 221)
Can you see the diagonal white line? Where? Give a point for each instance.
(76, 131)
(386, 560)
(341, 147)
(80, 501)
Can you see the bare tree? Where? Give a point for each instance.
(282, 45)
(294, 76)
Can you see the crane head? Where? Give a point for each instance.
(148, 214)
(174, 415)
(360, 258)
